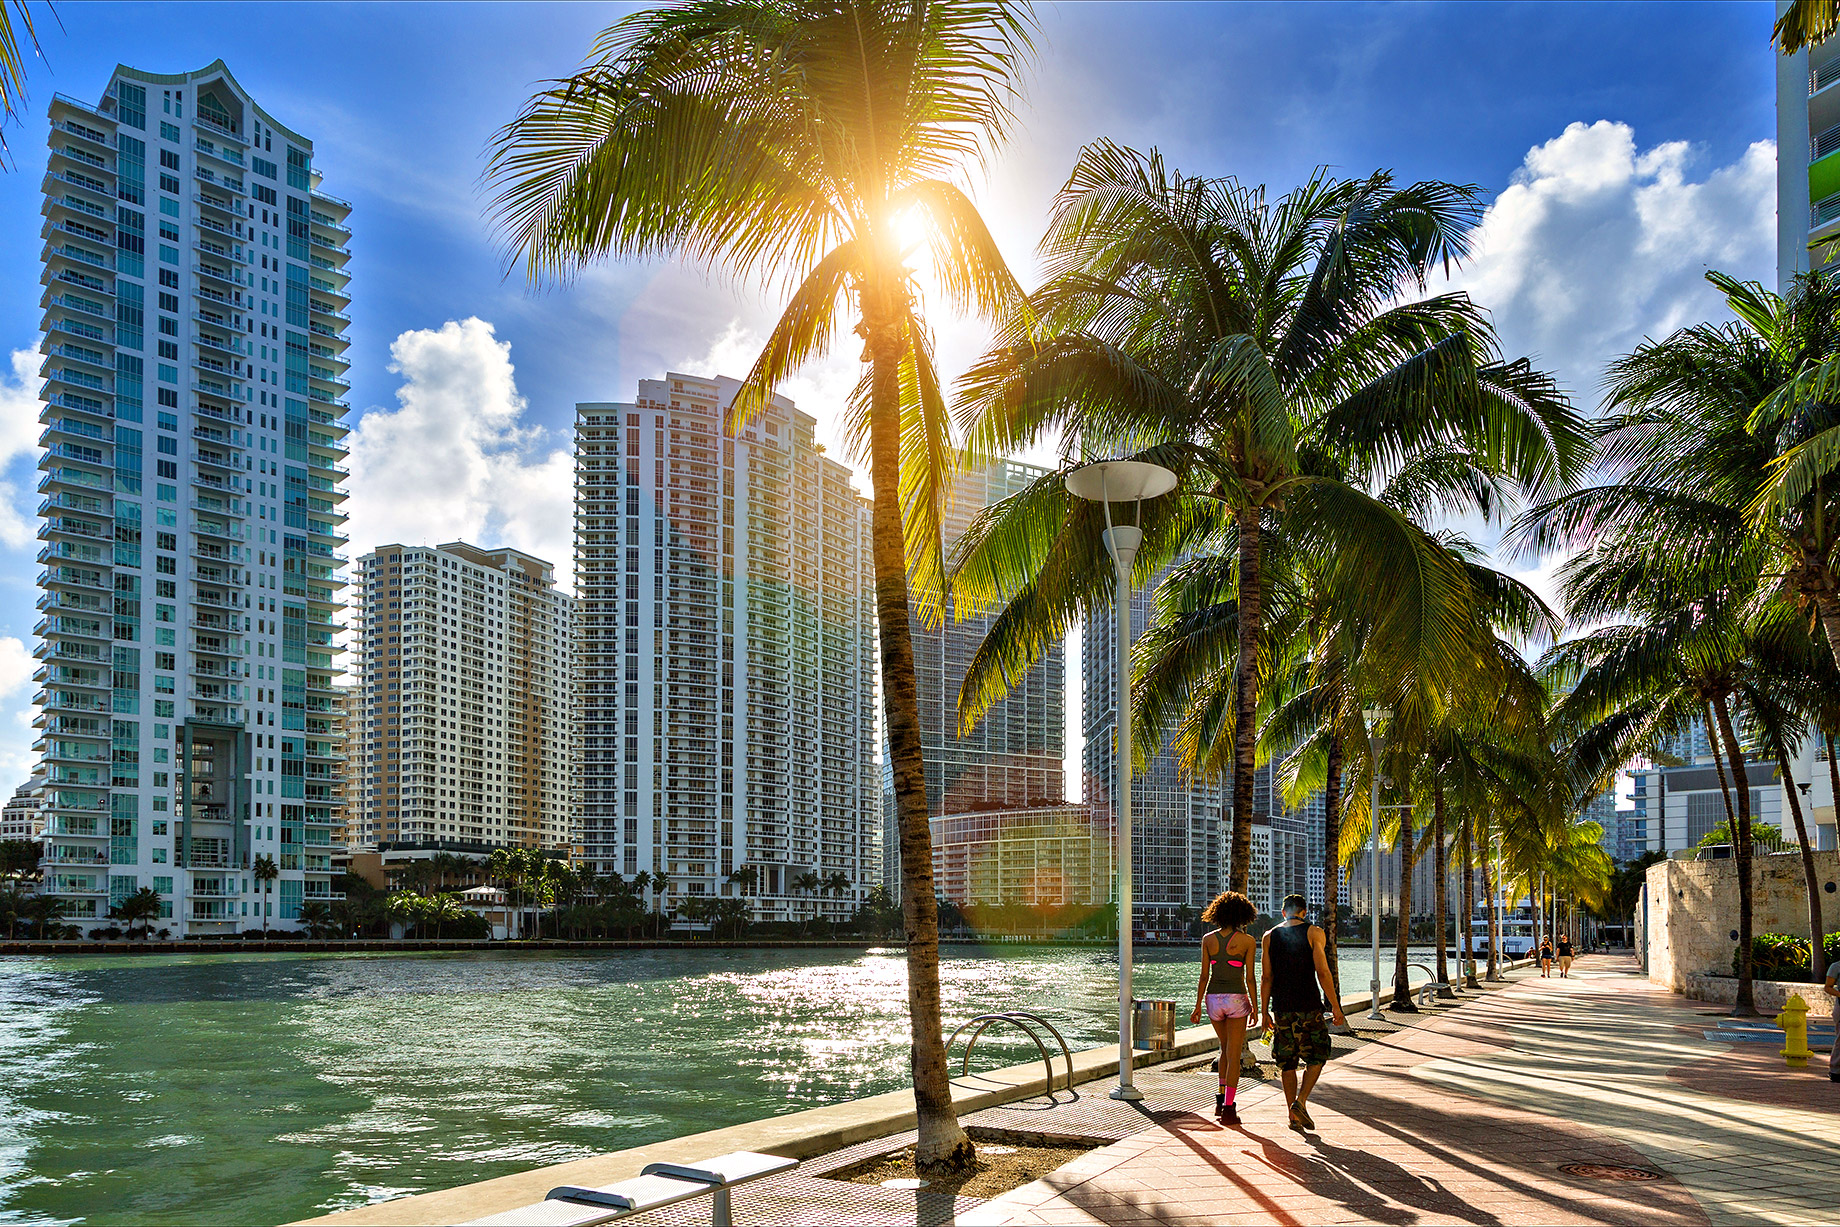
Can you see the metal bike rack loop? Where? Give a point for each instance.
(1021, 1020)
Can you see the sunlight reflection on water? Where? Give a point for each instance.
(261, 1088)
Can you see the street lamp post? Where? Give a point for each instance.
(1373, 715)
(1106, 482)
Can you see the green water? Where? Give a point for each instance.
(263, 1088)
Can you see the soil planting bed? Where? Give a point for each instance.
(1000, 1167)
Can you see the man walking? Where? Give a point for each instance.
(1291, 996)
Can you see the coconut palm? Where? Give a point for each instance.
(1629, 684)
(1259, 350)
(812, 143)
(317, 917)
(265, 871)
(18, 42)
(1803, 24)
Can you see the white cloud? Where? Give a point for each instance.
(19, 431)
(1597, 244)
(455, 460)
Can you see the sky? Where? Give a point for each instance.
(1624, 149)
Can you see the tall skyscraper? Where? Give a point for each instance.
(465, 736)
(1015, 758)
(1807, 157)
(1178, 844)
(191, 586)
(726, 651)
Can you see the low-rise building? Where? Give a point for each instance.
(23, 817)
(1045, 856)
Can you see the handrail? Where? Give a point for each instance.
(1015, 1018)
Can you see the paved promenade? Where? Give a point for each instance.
(1475, 1116)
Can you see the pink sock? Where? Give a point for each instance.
(1229, 1092)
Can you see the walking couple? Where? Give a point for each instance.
(1292, 987)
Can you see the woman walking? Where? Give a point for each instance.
(1227, 989)
(1546, 957)
(1565, 955)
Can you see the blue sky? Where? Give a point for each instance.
(1623, 140)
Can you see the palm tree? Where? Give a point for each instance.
(142, 907)
(661, 886)
(1257, 349)
(808, 883)
(42, 912)
(13, 58)
(810, 141)
(1803, 24)
(265, 871)
(317, 917)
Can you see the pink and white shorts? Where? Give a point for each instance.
(1228, 1005)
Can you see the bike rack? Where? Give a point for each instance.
(1019, 1019)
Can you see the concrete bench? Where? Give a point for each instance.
(657, 1185)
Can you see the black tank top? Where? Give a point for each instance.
(1293, 971)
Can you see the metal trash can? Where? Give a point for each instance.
(1154, 1025)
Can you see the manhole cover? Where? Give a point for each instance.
(905, 1182)
(1609, 1171)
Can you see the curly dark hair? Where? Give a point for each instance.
(1230, 910)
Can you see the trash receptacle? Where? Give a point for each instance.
(1155, 1025)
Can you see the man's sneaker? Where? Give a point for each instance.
(1297, 1119)
(1303, 1114)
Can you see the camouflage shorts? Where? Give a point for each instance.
(1299, 1039)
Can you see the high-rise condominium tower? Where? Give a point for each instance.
(1015, 757)
(195, 296)
(1807, 158)
(466, 720)
(1178, 840)
(726, 652)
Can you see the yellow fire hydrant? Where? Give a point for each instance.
(1794, 1022)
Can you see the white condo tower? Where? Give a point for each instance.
(725, 651)
(195, 297)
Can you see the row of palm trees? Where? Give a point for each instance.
(1325, 413)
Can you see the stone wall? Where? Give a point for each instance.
(1692, 915)
(1767, 995)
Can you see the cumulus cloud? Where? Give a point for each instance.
(1597, 243)
(19, 431)
(456, 460)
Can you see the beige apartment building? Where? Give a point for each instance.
(464, 719)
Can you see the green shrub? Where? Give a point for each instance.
(1782, 956)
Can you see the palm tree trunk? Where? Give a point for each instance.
(1467, 901)
(1745, 1006)
(1817, 939)
(942, 1144)
(1488, 893)
(1332, 860)
(1246, 706)
(1441, 892)
(1402, 973)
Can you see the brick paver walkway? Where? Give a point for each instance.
(1471, 1119)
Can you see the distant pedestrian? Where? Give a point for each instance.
(1565, 955)
(1546, 957)
(1295, 984)
(1833, 993)
(1226, 990)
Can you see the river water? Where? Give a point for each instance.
(262, 1088)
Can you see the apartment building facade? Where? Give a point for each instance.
(23, 815)
(726, 652)
(1178, 826)
(1807, 158)
(465, 733)
(194, 314)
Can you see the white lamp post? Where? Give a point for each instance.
(1374, 715)
(1106, 482)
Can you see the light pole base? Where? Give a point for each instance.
(1130, 1093)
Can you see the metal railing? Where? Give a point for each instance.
(1021, 1020)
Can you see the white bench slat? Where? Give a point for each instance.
(548, 1214)
(643, 1192)
(737, 1167)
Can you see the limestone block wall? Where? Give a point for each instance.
(1693, 911)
